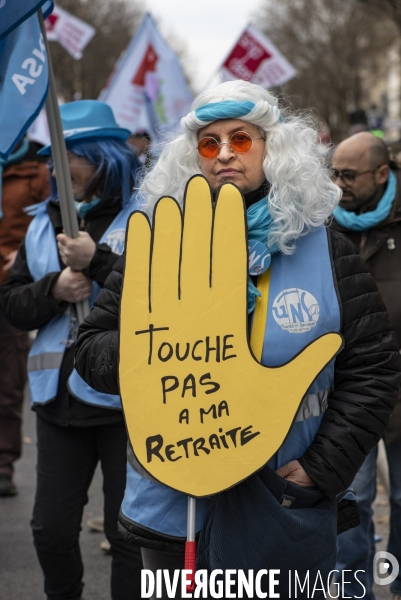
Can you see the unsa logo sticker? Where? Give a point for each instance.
(296, 310)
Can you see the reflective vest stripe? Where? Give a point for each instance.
(313, 405)
(47, 360)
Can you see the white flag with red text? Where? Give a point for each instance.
(39, 130)
(147, 89)
(256, 59)
(69, 31)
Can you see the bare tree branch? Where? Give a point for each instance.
(337, 46)
(115, 24)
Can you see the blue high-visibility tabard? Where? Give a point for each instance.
(48, 349)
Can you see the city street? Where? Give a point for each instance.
(20, 575)
(200, 199)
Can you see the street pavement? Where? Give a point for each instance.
(20, 574)
(381, 518)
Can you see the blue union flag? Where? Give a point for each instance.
(14, 12)
(23, 81)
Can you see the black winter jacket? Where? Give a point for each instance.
(380, 248)
(367, 372)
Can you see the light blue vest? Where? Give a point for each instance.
(48, 349)
(303, 305)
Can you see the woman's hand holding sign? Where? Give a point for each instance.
(202, 413)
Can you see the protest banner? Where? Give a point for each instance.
(74, 35)
(69, 31)
(147, 89)
(26, 75)
(23, 81)
(39, 130)
(202, 413)
(256, 59)
(13, 14)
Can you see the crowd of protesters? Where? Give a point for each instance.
(331, 221)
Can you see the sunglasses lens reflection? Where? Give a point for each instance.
(241, 142)
(208, 147)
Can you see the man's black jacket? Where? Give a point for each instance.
(367, 371)
(380, 248)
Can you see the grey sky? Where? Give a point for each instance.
(208, 28)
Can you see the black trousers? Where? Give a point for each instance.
(67, 458)
(157, 559)
(14, 348)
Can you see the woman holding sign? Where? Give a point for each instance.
(226, 347)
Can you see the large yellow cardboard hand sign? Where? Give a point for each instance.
(202, 413)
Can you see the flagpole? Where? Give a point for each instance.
(59, 153)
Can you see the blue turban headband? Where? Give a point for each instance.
(229, 109)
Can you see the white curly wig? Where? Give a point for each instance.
(301, 196)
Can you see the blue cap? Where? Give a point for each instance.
(88, 120)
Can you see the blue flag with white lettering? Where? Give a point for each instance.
(15, 12)
(24, 81)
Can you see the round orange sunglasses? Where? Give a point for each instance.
(240, 141)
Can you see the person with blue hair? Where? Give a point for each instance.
(77, 427)
(286, 515)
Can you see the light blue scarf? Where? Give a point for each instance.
(82, 208)
(259, 225)
(13, 158)
(364, 221)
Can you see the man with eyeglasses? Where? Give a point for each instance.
(370, 214)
